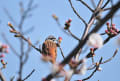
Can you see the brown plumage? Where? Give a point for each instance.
(49, 48)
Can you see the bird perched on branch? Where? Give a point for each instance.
(49, 48)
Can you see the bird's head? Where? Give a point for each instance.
(51, 37)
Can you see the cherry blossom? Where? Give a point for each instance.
(95, 40)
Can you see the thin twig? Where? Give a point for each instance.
(30, 43)
(90, 68)
(77, 13)
(27, 40)
(93, 60)
(98, 10)
(93, 71)
(70, 33)
(111, 57)
(29, 75)
(60, 26)
(9, 16)
(28, 51)
(27, 54)
(62, 52)
(107, 9)
(102, 33)
(73, 35)
(86, 5)
(105, 4)
(99, 4)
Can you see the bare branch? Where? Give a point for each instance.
(111, 57)
(88, 27)
(102, 33)
(99, 4)
(93, 71)
(2, 76)
(29, 75)
(18, 34)
(25, 13)
(73, 35)
(82, 42)
(62, 52)
(28, 51)
(92, 19)
(27, 54)
(107, 17)
(9, 16)
(59, 25)
(105, 4)
(93, 60)
(107, 9)
(90, 68)
(77, 13)
(86, 5)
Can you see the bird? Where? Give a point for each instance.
(49, 48)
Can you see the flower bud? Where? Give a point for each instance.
(2, 61)
(59, 39)
(4, 46)
(17, 35)
(55, 17)
(13, 31)
(106, 31)
(69, 21)
(9, 24)
(107, 23)
(113, 24)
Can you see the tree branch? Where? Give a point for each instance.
(29, 75)
(77, 13)
(82, 42)
(111, 57)
(86, 5)
(2, 76)
(93, 71)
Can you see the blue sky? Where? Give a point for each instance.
(44, 25)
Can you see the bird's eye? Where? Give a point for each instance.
(53, 39)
